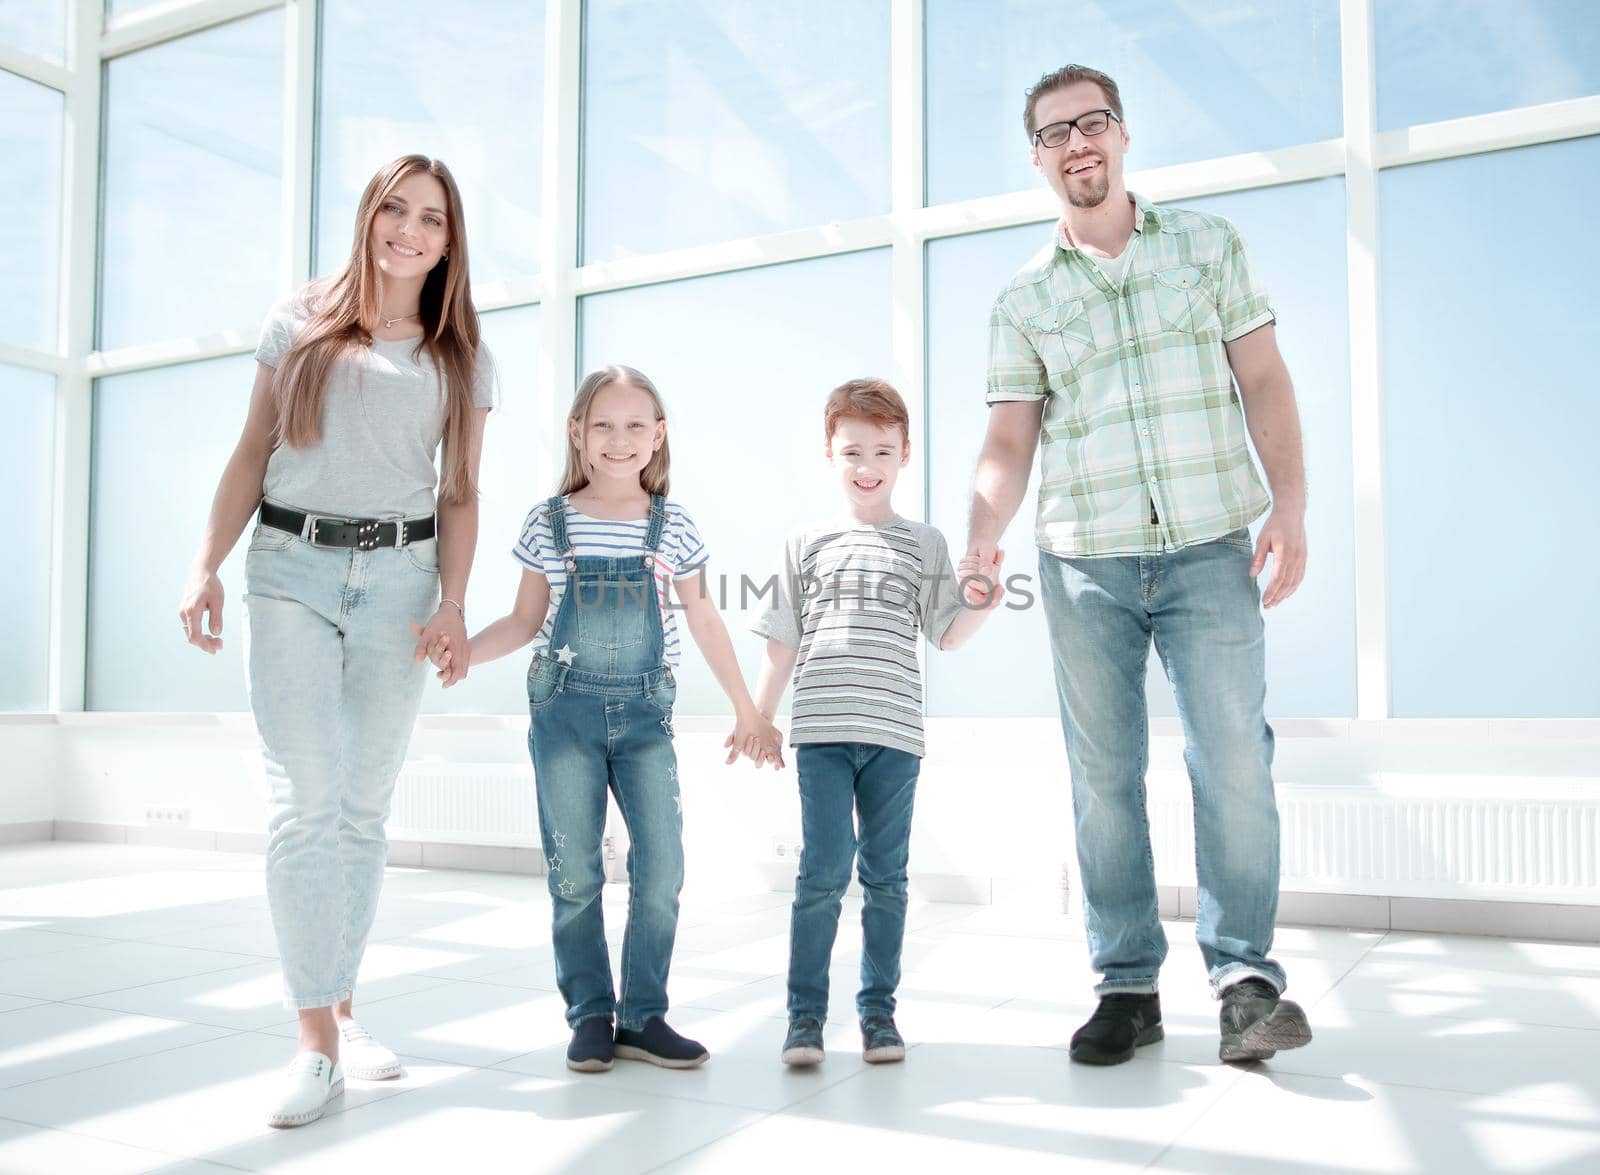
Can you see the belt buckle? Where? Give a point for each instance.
(399, 534)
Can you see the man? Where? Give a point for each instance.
(1121, 344)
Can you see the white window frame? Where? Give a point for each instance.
(1358, 157)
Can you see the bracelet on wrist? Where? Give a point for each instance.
(462, 611)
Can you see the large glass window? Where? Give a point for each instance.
(161, 440)
(516, 472)
(1439, 59)
(116, 9)
(1295, 237)
(1197, 80)
(27, 450)
(745, 362)
(1005, 670)
(35, 26)
(30, 213)
(1490, 416)
(463, 87)
(193, 157)
(706, 120)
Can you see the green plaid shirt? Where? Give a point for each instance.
(1143, 435)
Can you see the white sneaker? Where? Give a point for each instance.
(312, 1082)
(364, 1058)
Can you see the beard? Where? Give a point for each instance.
(1092, 195)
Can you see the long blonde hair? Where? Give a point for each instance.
(653, 477)
(341, 307)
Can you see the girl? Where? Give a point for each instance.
(360, 377)
(598, 558)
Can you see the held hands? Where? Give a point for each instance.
(981, 564)
(443, 641)
(757, 739)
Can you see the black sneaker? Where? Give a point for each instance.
(590, 1050)
(1256, 1023)
(803, 1046)
(1123, 1022)
(659, 1045)
(881, 1041)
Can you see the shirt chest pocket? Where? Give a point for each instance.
(1062, 335)
(1184, 301)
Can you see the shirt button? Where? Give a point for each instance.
(1145, 431)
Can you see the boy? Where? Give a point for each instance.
(853, 594)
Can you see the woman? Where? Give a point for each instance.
(361, 377)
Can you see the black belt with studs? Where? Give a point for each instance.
(364, 534)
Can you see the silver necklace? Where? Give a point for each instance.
(388, 323)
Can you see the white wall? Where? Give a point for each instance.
(28, 768)
(1503, 810)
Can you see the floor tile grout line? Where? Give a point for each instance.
(1417, 1086)
(1470, 1019)
(155, 982)
(172, 1156)
(680, 1099)
(1236, 1080)
(764, 1117)
(1345, 974)
(222, 1034)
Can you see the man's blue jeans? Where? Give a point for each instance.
(837, 782)
(1203, 610)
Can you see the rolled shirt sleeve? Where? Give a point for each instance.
(1241, 299)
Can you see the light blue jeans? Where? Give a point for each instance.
(335, 694)
(1203, 610)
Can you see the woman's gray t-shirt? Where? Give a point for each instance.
(383, 416)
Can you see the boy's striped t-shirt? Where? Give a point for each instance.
(680, 556)
(851, 599)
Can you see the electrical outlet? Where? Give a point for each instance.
(166, 814)
(779, 849)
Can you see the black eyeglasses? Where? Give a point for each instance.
(1090, 124)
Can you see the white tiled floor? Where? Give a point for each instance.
(140, 1029)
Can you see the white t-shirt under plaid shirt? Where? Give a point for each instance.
(682, 554)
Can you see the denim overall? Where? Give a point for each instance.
(600, 700)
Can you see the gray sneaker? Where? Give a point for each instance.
(1256, 1023)
(803, 1046)
(881, 1041)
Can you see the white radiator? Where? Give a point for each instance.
(1348, 840)
(465, 803)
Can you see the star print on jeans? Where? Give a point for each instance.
(678, 800)
(666, 725)
(567, 889)
(560, 838)
(555, 864)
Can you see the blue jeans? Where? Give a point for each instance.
(335, 693)
(587, 737)
(838, 782)
(1203, 610)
